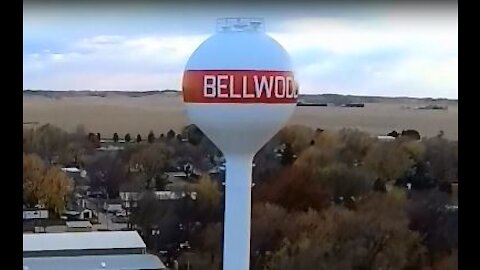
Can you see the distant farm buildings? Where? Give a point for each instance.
(353, 105)
(315, 104)
(385, 138)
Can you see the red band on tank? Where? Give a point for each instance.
(239, 86)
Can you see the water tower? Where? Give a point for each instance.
(239, 89)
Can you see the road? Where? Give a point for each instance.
(104, 219)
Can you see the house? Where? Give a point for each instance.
(130, 199)
(79, 226)
(35, 213)
(113, 206)
(34, 219)
(77, 210)
(87, 250)
(86, 214)
(78, 214)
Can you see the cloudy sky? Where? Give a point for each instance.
(386, 50)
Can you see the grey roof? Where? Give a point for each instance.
(82, 240)
(109, 262)
(79, 224)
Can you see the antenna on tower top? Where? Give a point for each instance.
(240, 24)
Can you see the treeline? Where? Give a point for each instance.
(347, 99)
(346, 201)
(96, 138)
(340, 200)
(321, 200)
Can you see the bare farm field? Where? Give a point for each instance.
(160, 113)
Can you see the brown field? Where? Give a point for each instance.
(162, 112)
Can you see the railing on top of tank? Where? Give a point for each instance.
(240, 24)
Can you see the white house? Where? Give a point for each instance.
(35, 213)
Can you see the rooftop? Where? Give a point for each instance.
(82, 241)
(79, 224)
(107, 262)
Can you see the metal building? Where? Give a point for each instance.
(87, 250)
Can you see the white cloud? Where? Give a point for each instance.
(392, 55)
(112, 62)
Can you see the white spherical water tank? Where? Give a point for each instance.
(239, 89)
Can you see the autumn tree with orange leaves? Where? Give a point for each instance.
(48, 186)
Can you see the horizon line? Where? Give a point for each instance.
(146, 91)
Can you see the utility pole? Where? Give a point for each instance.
(106, 212)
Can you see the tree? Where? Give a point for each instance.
(440, 134)
(414, 149)
(148, 212)
(209, 253)
(91, 137)
(45, 185)
(170, 134)
(339, 180)
(379, 186)
(80, 133)
(151, 137)
(152, 161)
(139, 138)
(48, 141)
(437, 226)
(320, 155)
(127, 137)
(268, 230)
(287, 155)
(208, 199)
(297, 136)
(442, 157)
(72, 154)
(115, 137)
(449, 262)
(393, 133)
(267, 164)
(411, 133)
(193, 134)
(388, 160)
(54, 190)
(108, 171)
(375, 236)
(294, 188)
(326, 141)
(33, 169)
(353, 146)
(28, 137)
(92, 143)
(419, 177)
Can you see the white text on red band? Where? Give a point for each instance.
(223, 86)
